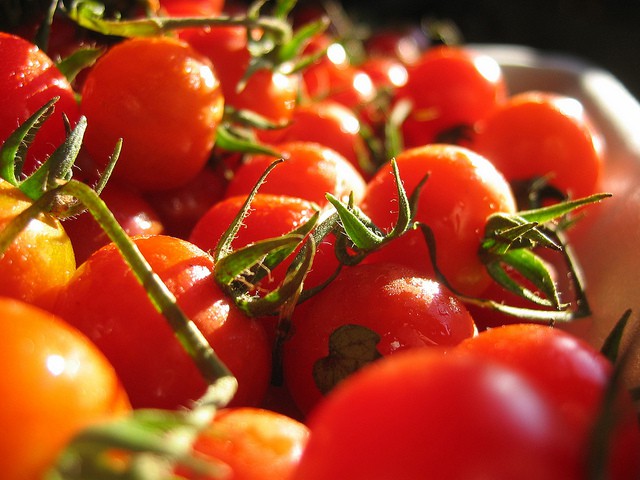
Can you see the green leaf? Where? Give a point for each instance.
(15, 147)
(557, 210)
(230, 139)
(359, 231)
(611, 345)
(78, 61)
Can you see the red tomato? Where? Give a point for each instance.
(574, 376)
(130, 209)
(269, 93)
(395, 303)
(449, 88)
(310, 171)
(192, 8)
(405, 43)
(256, 444)
(539, 134)
(55, 382)
(28, 80)
(326, 122)
(105, 301)
(462, 190)
(40, 261)
(164, 99)
(421, 413)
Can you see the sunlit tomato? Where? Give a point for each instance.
(326, 122)
(269, 93)
(192, 8)
(131, 210)
(421, 413)
(28, 80)
(405, 43)
(462, 190)
(270, 216)
(543, 135)
(40, 260)
(181, 208)
(449, 88)
(105, 301)
(255, 444)
(54, 383)
(164, 100)
(392, 307)
(310, 171)
(574, 376)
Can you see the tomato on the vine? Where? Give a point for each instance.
(106, 302)
(55, 382)
(367, 312)
(462, 190)
(28, 80)
(40, 260)
(164, 100)
(543, 135)
(450, 88)
(310, 170)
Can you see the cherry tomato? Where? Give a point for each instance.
(326, 122)
(269, 93)
(574, 376)
(256, 444)
(392, 307)
(104, 300)
(130, 209)
(55, 382)
(401, 42)
(543, 135)
(40, 261)
(192, 8)
(421, 413)
(164, 100)
(28, 80)
(462, 190)
(310, 171)
(449, 88)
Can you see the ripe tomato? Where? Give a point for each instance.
(462, 190)
(421, 413)
(270, 216)
(256, 444)
(55, 382)
(326, 122)
(310, 171)
(394, 303)
(449, 88)
(130, 209)
(105, 301)
(539, 134)
(192, 8)
(28, 80)
(405, 43)
(164, 99)
(269, 93)
(40, 260)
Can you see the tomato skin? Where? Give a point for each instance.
(192, 8)
(421, 413)
(28, 80)
(449, 87)
(104, 300)
(268, 93)
(55, 382)
(462, 190)
(573, 375)
(538, 134)
(310, 171)
(256, 444)
(131, 210)
(164, 99)
(409, 311)
(40, 261)
(326, 122)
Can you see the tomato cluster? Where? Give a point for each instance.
(226, 228)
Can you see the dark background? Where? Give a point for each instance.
(603, 32)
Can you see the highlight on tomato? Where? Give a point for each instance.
(55, 382)
(164, 100)
(341, 328)
(105, 301)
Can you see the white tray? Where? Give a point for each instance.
(610, 250)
